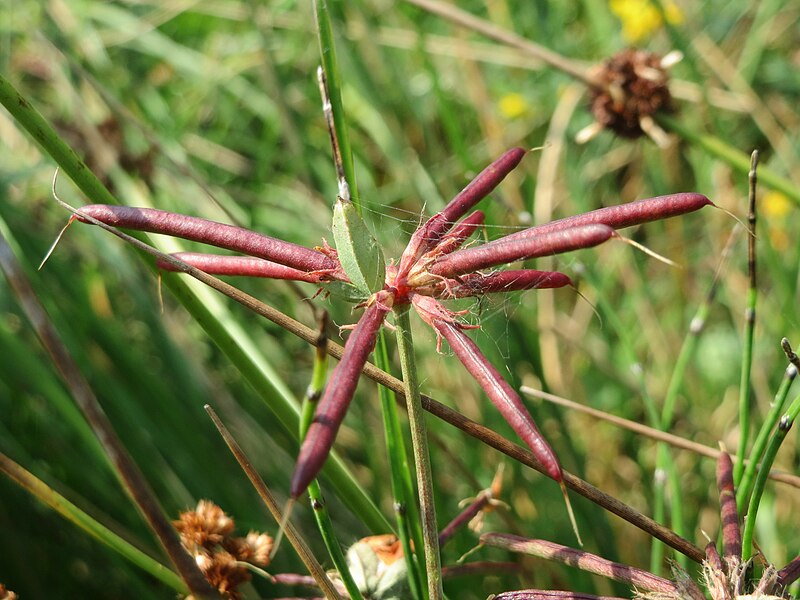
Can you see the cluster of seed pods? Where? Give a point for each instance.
(725, 576)
(433, 267)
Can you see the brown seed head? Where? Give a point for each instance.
(6, 594)
(225, 573)
(633, 85)
(255, 548)
(206, 533)
(206, 526)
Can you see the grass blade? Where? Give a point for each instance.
(97, 530)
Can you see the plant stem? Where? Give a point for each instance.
(298, 543)
(330, 68)
(52, 144)
(408, 520)
(749, 325)
(419, 440)
(745, 486)
(455, 15)
(784, 425)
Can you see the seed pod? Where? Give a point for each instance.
(505, 250)
(213, 233)
(585, 561)
(624, 215)
(549, 595)
(427, 236)
(243, 266)
(338, 393)
(500, 393)
(477, 284)
(731, 533)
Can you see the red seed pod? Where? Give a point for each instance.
(454, 238)
(476, 284)
(624, 215)
(338, 394)
(713, 558)
(502, 251)
(427, 236)
(212, 233)
(477, 190)
(585, 561)
(243, 266)
(549, 595)
(790, 573)
(500, 393)
(731, 533)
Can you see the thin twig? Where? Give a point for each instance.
(464, 19)
(656, 434)
(297, 541)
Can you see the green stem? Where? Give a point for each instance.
(745, 486)
(408, 521)
(784, 425)
(419, 440)
(325, 526)
(52, 144)
(320, 508)
(330, 66)
(749, 326)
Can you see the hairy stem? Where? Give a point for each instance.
(422, 461)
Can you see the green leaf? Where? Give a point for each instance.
(359, 253)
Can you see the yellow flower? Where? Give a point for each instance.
(513, 106)
(640, 18)
(775, 206)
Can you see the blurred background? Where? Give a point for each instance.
(212, 109)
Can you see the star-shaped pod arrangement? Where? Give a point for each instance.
(435, 267)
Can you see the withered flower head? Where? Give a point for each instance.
(254, 548)
(631, 87)
(224, 571)
(206, 533)
(205, 526)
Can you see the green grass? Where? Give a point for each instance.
(213, 109)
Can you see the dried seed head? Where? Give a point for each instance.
(205, 526)
(225, 573)
(6, 594)
(255, 548)
(206, 533)
(633, 86)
